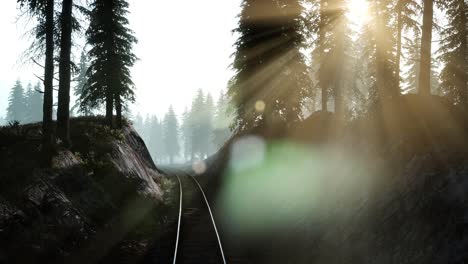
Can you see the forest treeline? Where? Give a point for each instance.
(200, 131)
(24, 104)
(109, 43)
(291, 57)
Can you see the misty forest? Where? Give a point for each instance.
(339, 136)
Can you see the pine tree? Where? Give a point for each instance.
(411, 76)
(222, 120)
(412, 64)
(63, 109)
(196, 125)
(407, 12)
(323, 79)
(331, 57)
(81, 80)
(44, 11)
(33, 99)
(35, 103)
(146, 134)
(454, 51)
(138, 123)
(156, 145)
(28, 94)
(171, 134)
(424, 87)
(271, 80)
(207, 125)
(109, 79)
(16, 110)
(378, 51)
(186, 134)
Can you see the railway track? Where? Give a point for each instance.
(194, 236)
(197, 238)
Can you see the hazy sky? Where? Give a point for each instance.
(183, 45)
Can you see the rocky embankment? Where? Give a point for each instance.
(103, 198)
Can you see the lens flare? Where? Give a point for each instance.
(260, 106)
(199, 167)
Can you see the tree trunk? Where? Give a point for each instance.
(380, 59)
(398, 51)
(340, 61)
(118, 110)
(426, 43)
(322, 53)
(47, 126)
(109, 107)
(463, 51)
(110, 64)
(63, 111)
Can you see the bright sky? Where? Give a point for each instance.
(183, 46)
(358, 11)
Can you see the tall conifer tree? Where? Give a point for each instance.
(109, 80)
(44, 11)
(426, 46)
(454, 51)
(16, 110)
(63, 109)
(171, 134)
(407, 12)
(271, 80)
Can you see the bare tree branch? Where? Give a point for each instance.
(38, 77)
(37, 63)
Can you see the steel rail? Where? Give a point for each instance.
(212, 218)
(179, 221)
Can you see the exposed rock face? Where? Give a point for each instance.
(132, 158)
(106, 182)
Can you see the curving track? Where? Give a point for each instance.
(197, 238)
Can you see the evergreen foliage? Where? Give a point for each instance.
(412, 64)
(196, 123)
(378, 34)
(207, 125)
(454, 51)
(222, 120)
(271, 78)
(16, 104)
(213, 130)
(81, 80)
(171, 134)
(407, 12)
(331, 56)
(34, 103)
(424, 83)
(286, 52)
(156, 140)
(109, 80)
(186, 135)
(44, 45)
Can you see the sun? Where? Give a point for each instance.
(358, 11)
